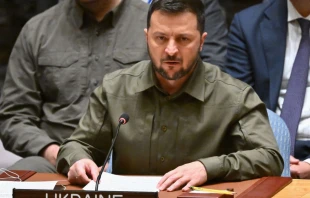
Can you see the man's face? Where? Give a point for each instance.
(174, 43)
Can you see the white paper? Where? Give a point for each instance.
(6, 187)
(110, 182)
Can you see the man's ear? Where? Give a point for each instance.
(203, 37)
(145, 32)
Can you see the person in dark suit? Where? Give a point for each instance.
(265, 43)
(215, 44)
(233, 6)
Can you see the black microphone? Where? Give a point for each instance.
(123, 119)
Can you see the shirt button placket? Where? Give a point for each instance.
(97, 32)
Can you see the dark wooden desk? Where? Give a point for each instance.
(237, 186)
(299, 188)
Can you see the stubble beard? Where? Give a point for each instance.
(179, 74)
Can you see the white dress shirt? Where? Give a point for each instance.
(292, 45)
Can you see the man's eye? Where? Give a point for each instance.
(161, 38)
(184, 39)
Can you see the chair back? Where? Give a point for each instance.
(283, 139)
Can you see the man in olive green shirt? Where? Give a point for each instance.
(188, 121)
(57, 62)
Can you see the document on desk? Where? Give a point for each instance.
(111, 182)
(6, 187)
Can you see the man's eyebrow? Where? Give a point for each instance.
(177, 35)
(159, 33)
(185, 34)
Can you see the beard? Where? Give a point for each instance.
(177, 75)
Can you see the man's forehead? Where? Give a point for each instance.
(173, 20)
(171, 14)
(179, 18)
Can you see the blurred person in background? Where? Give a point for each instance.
(13, 15)
(58, 59)
(269, 48)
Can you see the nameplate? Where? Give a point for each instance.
(28, 193)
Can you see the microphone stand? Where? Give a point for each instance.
(109, 153)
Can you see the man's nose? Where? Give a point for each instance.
(171, 48)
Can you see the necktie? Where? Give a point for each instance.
(296, 89)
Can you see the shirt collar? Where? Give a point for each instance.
(147, 78)
(194, 86)
(77, 13)
(293, 14)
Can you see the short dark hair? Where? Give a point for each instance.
(178, 6)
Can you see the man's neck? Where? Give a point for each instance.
(171, 86)
(302, 7)
(99, 9)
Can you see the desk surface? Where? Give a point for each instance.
(297, 189)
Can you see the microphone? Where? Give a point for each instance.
(123, 119)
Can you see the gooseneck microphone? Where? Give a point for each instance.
(123, 119)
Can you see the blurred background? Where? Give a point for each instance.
(15, 13)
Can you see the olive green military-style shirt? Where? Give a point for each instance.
(58, 60)
(215, 119)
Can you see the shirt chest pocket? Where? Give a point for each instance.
(62, 76)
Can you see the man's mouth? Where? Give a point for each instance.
(172, 62)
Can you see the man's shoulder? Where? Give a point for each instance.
(136, 12)
(132, 72)
(213, 74)
(48, 16)
(224, 90)
(140, 6)
(125, 82)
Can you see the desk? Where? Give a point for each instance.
(299, 188)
